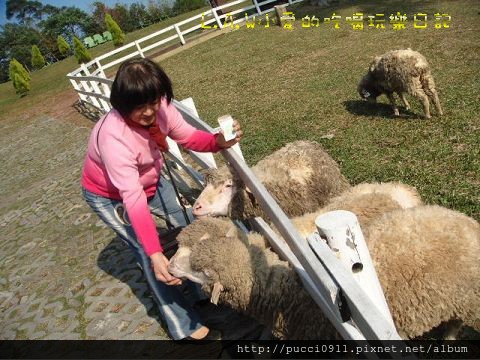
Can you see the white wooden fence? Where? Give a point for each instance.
(322, 273)
(214, 18)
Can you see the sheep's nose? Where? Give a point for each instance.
(197, 206)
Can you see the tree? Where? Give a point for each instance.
(182, 6)
(16, 41)
(20, 77)
(117, 33)
(63, 46)
(98, 14)
(158, 11)
(68, 21)
(38, 61)
(138, 15)
(21, 85)
(81, 52)
(25, 11)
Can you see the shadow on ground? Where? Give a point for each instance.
(88, 110)
(364, 108)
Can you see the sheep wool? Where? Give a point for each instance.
(301, 176)
(427, 259)
(401, 71)
(255, 281)
(428, 262)
(367, 201)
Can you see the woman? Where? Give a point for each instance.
(122, 171)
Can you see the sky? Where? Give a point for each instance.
(82, 4)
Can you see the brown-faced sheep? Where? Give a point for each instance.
(426, 257)
(400, 71)
(301, 176)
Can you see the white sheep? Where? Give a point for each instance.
(301, 176)
(400, 71)
(428, 262)
(251, 277)
(367, 201)
(426, 257)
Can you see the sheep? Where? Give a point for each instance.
(400, 71)
(301, 176)
(253, 279)
(426, 257)
(367, 201)
(428, 262)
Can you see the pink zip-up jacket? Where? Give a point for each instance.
(124, 163)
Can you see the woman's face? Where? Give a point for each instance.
(145, 115)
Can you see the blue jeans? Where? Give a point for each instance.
(174, 307)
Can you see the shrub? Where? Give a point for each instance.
(63, 46)
(38, 61)
(19, 76)
(81, 52)
(117, 33)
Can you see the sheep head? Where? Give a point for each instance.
(367, 89)
(213, 252)
(223, 188)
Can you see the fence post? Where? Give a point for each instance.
(259, 11)
(85, 85)
(177, 29)
(137, 44)
(219, 22)
(76, 86)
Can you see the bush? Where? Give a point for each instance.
(21, 85)
(20, 77)
(38, 61)
(117, 33)
(81, 52)
(63, 46)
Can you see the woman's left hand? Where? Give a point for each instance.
(238, 135)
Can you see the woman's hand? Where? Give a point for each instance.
(159, 264)
(238, 135)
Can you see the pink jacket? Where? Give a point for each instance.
(123, 163)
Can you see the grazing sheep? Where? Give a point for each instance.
(301, 176)
(426, 257)
(253, 279)
(366, 201)
(400, 71)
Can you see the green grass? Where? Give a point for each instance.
(301, 84)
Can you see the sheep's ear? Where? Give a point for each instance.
(217, 289)
(374, 63)
(207, 174)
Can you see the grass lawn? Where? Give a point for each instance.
(301, 84)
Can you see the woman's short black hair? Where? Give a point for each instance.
(139, 82)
